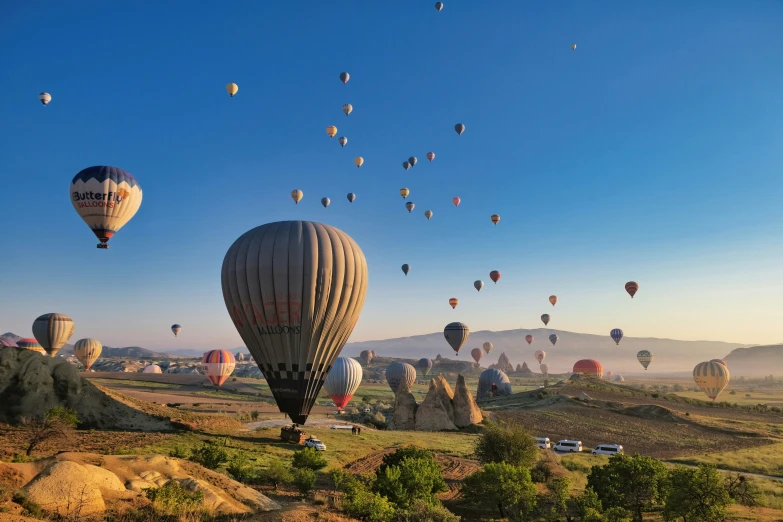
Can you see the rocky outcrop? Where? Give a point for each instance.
(519, 368)
(405, 406)
(503, 364)
(525, 371)
(432, 415)
(438, 358)
(466, 412)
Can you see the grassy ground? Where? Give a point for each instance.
(743, 398)
(763, 460)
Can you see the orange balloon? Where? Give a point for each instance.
(455, 201)
(494, 275)
(553, 299)
(454, 302)
(495, 218)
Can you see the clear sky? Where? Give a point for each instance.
(653, 152)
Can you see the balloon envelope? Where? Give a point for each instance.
(400, 373)
(540, 355)
(358, 161)
(494, 275)
(45, 98)
(176, 329)
(53, 331)
(544, 369)
(106, 198)
(325, 202)
(406, 268)
(644, 357)
(456, 334)
(344, 77)
(529, 338)
(438, 6)
(456, 201)
(460, 128)
(4, 341)
(343, 380)
(712, 377)
(232, 89)
(476, 353)
(553, 338)
(342, 140)
(553, 299)
(478, 285)
(454, 302)
(410, 206)
(347, 108)
(218, 365)
(489, 377)
(425, 365)
(297, 196)
(87, 351)
(351, 197)
(413, 160)
(404, 192)
(152, 368)
(331, 130)
(430, 156)
(616, 335)
(28, 343)
(428, 214)
(545, 319)
(487, 346)
(495, 218)
(406, 165)
(294, 290)
(589, 367)
(632, 287)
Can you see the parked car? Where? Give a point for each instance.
(568, 446)
(329, 404)
(543, 442)
(607, 449)
(367, 410)
(315, 443)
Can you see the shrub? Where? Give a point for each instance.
(254, 415)
(178, 452)
(211, 454)
(368, 506)
(173, 499)
(58, 422)
(304, 480)
(654, 395)
(309, 458)
(542, 472)
(421, 511)
(633, 483)
(31, 508)
(410, 480)
(275, 474)
(239, 467)
(502, 486)
(507, 443)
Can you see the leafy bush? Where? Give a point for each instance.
(211, 454)
(309, 458)
(239, 467)
(254, 415)
(655, 395)
(500, 486)
(634, 483)
(304, 480)
(275, 474)
(31, 508)
(178, 452)
(421, 511)
(411, 480)
(172, 498)
(508, 443)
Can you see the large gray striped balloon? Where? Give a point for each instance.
(456, 334)
(52, 331)
(489, 377)
(397, 373)
(294, 290)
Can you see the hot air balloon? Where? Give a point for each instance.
(347, 108)
(487, 346)
(573, 47)
(453, 302)
(544, 369)
(425, 365)
(545, 319)
(106, 198)
(529, 338)
(720, 361)
(494, 275)
(404, 192)
(413, 160)
(495, 219)
(87, 351)
(52, 331)
(644, 357)
(410, 206)
(406, 165)
(343, 380)
(218, 365)
(478, 284)
(152, 368)
(176, 329)
(297, 195)
(456, 334)
(540, 355)
(351, 197)
(325, 202)
(711, 377)
(344, 77)
(8, 343)
(456, 201)
(632, 287)
(618, 378)
(29, 343)
(398, 373)
(439, 6)
(430, 156)
(608, 375)
(428, 214)
(358, 161)
(45, 98)
(476, 353)
(493, 382)
(374, 354)
(616, 335)
(294, 290)
(232, 89)
(553, 299)
(406, 268)
(342, 140)
(460, 128)
(331, 131)
(367, 356)
(553, 338)
(589, 367)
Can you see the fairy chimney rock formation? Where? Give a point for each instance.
(466, 412)
(525, 371)
(504, 365)
(405, 406)
(432, 415)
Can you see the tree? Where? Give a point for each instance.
(304, 480)
(508, 443)
(275, 474)
(502, 486)
(410, 480)
(633, 483)
(553, 505)
(406, 452)
(211, 454)
(57, 423)
(742, 490)
(309, 458)
(696, 495)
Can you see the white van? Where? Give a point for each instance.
(543, 442)
(607, 449)
(568, 446)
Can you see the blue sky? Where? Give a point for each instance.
(653, 152)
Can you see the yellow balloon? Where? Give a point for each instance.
(712, 377)
(331, 131)
(232, 89)
(573, 47)
(297, 196)
(358, 161)
(404, 192)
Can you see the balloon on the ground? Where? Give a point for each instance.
(106, 198)
(632, 287)
(8, 343)
(616, 335)
(404, 192)
(495, 219)
(454, 302)
(460, 128)
(495, 276)
(342, 140)
(553, 299)
(358, 161)
(351, 197)
(45, 98)
(331, 131)
(589, 367)
(478, 284)
(476, 353)
(430, 156)
(344, 77)
(406, 268)
(428, 214)
(712, 377)
(529, 338)
(152, 368)
(28, 343)
(493, 382)
(545, 319)
(488, 346)
(425, 365)
(410, 206)
(644, 357)
(347, 108)
(456, 334)
(52, 331)
(456, 201)
(325, 202)
(297, 195)
(540, 355)
(400, 373)
(87, 351)
(232, 89)
(553, 338)
(343, 380)
(176, 329)
(218, 365)
(294, 290)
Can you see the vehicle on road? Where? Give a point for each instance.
(367, 410)
(312, 442)
(568, 446)
(543, 442)
(607, 449)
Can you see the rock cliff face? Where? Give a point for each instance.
(441, 410)
(504, 365)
